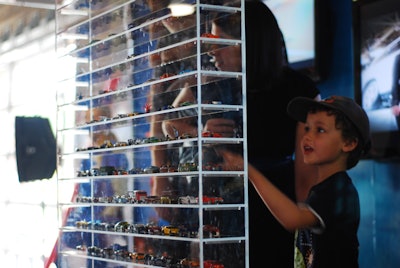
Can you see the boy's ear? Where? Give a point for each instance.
(350, 145)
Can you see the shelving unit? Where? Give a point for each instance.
(131, 195)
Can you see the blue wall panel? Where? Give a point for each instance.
(378, 182)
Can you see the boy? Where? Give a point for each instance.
(326, 224)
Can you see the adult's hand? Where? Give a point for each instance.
(223, 126)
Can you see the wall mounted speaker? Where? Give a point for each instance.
(36, 149)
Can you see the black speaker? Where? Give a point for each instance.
(36, 148)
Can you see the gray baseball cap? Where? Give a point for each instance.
(299, 107)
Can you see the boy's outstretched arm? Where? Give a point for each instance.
(291, 215)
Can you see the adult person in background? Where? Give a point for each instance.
(271, 84)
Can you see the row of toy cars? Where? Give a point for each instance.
(121, 253)
(147, 140)
(109, 144)
(141, 197)
(209, 230)
(182, 167)
(110, 170)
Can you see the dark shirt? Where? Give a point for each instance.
(334, 242)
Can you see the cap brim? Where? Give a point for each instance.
(299, 107)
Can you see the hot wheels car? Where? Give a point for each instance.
(122, 172)
(138, 196)
(122, 226)
(189, 263)
(170, 230)
(211, 231)
(187, 200)
(212, 167)
(151, 169)
(108, 170)
(137, 257)
(212, 264)
(168, 168)
(94, 172)
(82, 224)
(151, 140)
(169, 197)
(190, 166)
(120, 144)
(82, 173)
(152, 199)
(138, 228)
(135, 171)
(189, 231)
(211, 134)
(107, 144)
(212, 199)
(134, 141)
(157, 261)
(153, 229)
(95, 251)
(80, 247)
(108, 253)
(122, 254)
(209, 35)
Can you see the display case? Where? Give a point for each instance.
(141, 181)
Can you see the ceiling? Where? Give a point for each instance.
(46, 4)
(9, 13)
(12, 12)
(16, 17)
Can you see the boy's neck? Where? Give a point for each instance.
(325, 171)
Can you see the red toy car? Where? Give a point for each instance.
(213, 264)
(212, 199)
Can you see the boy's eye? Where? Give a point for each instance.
(320, 130)
(306, 128)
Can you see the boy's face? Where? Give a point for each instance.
(322, 142)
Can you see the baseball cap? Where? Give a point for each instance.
(299, 107)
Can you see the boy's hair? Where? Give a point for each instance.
(350, 118)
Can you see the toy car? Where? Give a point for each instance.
(211, 231)
(212, 199)
(138, 228)
(152, 199)
(122, 226)
(209, 35)
(212, 264)
(153, 229)
(170, 230)
(211, 134)
(190, 166)
(187, 200)
(168, 168)
(151, 169)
